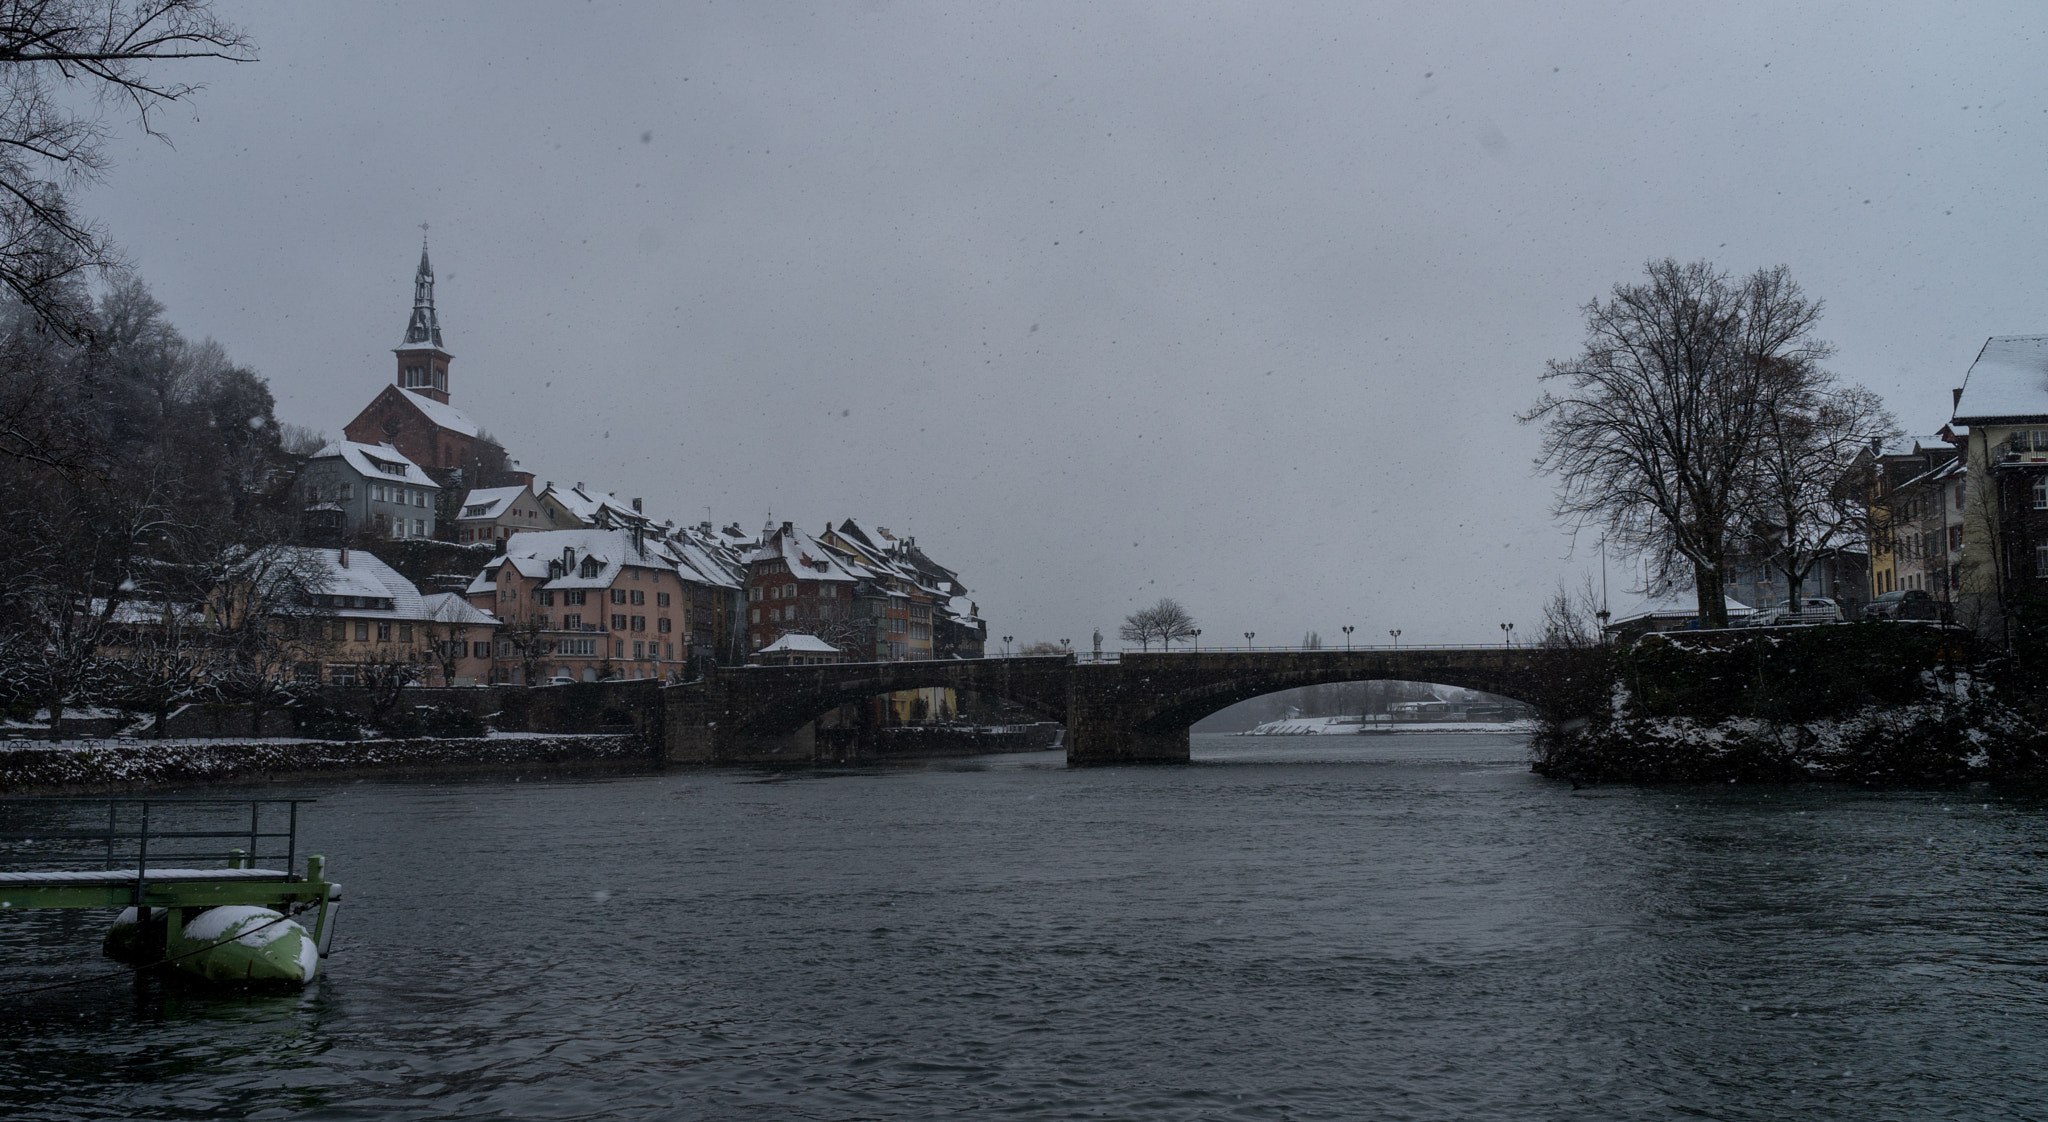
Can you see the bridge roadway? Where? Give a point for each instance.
(1135, 709)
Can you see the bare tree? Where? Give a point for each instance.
(1164, 621)
(1655, 434)
(48, 143)
(1802, 501)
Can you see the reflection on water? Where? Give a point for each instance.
(1397, 927)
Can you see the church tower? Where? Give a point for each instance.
(422, 363)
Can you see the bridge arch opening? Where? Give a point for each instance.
(1360, 703)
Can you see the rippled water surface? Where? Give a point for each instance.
(1358, 927)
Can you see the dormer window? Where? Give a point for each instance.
(591, 568)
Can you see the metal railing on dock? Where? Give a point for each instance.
(42, 840)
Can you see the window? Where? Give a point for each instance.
(547, 598)
(572, 621)
(348, 491)
(754, 593)
(405, 633)
(639, 650)
(618, 623)
(2041, 559)
(1955, 538)
(479, 650)
(342, 675)
(639, 623)
(789, 590)
(419, 498)
(661, 625)
(756, 614)
(573, 597)
(307, 673)
(584, 647)
(639, 597)
(419, 527)
(2041, 492)
(383, 633)
(362, 631)
(619, 647)
(661, 599)
(618, 595)
(671, 649)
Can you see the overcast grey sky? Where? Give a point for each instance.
(1229, 302)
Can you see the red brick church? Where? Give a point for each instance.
(413, 415)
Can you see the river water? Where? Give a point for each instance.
(1389, 927)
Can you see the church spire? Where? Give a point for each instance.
(424, 329)
(422, 360)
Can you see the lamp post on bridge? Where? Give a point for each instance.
(1348, 629)
(1197, 633)
(1248, 639)
(1006, 646)
(1507, 634)
(1396, 633)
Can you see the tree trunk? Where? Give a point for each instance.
(1713, 601)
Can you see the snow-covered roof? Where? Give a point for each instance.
(365, 575)
(446, 416)
(799, 643)
(377, 461)
(804, 556)
(529, 553)
(696, 561)
(1672, 605)
(447, 607)
(592, 510)
(131, 613)
(494, 500)
(2009, 381)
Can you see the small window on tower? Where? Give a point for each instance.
(441, 378)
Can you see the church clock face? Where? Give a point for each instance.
(391, 426)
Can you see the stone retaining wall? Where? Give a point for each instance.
(109, 766)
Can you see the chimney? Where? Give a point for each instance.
(637, 510)
(344, 557)
(1955, 398)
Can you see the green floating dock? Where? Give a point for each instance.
(236, 923)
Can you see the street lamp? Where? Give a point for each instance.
(1348, 629)
(1602, 615)
(1507, 634)
(1006, 646)
(1197, 633)
(1396, 633)
(1248, 639)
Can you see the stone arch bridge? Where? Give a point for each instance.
(1133, 710)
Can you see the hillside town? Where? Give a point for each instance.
(430, 553)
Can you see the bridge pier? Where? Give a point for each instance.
(1101, 745)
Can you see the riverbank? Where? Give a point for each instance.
(1868, 703)
(113, 766)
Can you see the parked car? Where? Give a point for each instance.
(560, 680)
(1903, 603)
(1811, 610)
